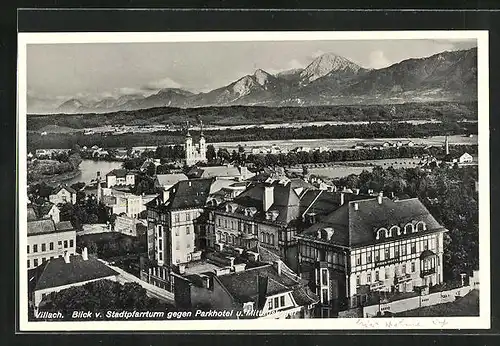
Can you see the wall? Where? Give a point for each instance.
(416, 302)
(63, 196)
(126, 225)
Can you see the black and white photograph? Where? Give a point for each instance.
(278, 180)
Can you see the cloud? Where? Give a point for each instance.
(317, 53)
(378, 59)
(161, 84)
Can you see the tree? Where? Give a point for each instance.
(211, 154)
(151, 169)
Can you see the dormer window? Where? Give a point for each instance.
(382, 233)
(420, 226)
(394, 230)
(408, 228)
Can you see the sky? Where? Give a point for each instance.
(58, 72)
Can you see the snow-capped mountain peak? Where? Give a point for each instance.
(262, 77)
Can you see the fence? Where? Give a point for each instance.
(417, 302)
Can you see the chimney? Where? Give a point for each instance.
(380, 196)
(231, 261)
(342, 198)
(279, 267)
(66, 256)
(268, 197)
(238, 250)
(205, 281)
(356, 206)
(85, 254)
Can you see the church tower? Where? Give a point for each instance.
(203, 144)
(188, 141)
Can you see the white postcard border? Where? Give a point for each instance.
(431, 323)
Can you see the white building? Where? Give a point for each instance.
(63, 194)
(465, 158)
(48, 240)
(120, 177)
(195, 152)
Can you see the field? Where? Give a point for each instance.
(239, 115)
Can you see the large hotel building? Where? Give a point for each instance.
(367, 246)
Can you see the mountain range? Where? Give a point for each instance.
(328, 80)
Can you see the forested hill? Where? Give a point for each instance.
(242, 115)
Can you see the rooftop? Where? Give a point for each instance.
(119, 173)
(356, 227)
(57, 272)
(170, 179)
(215, 171)
(44, 226)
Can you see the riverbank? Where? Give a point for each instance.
(57, 178)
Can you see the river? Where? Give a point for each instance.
(89, 169)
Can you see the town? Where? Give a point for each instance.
(192, 227)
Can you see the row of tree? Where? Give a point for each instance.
(161, 138)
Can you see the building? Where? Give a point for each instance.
(166, 181)
(465, 158)
(265, 213)
(195, 152)
(267, 291)
(129, 226)
(68, 271)
(63, 194)
(120, 177)
(48, 240)
(370, 246)
(177, 223)
(121, 202)
(220, 172)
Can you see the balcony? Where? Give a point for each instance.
(377, 285)
(427, 272)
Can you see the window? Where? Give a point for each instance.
(35, 248)
(28, 249)
(225, 223)
(65, 244)
(35, 262)
(176, 230)
(324, 277)
(28, 263)
(324, 295)
(59, 243)
(276, 302)
(188, 217)
(377, 276)
(386, 253)
(218, 221)
(160, 244)
(176, 218)
(369, 278)
(270, 304)
(369, 257)
(160, 256)
(177, 246)
(387, 274)
(377, 255)
(403, 269)
(358, 259)
(44, 248)
(44, 260)
(426, 244)
(232, 224)
(282, 301)
(239, 226)
(159, 231)
(396, 250)
(51, 245)
(187, 230)
(403, 250)
(71, 243)
(413, 267)
(358, 282)
(413, 247)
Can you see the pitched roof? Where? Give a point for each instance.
(41, 227)
(45, 208)
(216, 171)
(32, 215)
(286, 201)
(243, 286)
(119, 173)
(353, 227)
(63, 186)
(57, 272)
(187, 194)
(64, 226)
(170, 179)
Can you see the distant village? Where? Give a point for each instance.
(266, 243)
